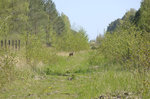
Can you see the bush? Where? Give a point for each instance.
(127, 46)
(7, 65)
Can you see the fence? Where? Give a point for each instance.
(10, 44)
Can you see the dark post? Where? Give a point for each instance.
(1, 43)
(16, 44)
(9, 43)
(13, 44)
(19, 44)
(5, 44)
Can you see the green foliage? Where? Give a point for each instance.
(7, 65)
(126, 42)
(70, 40)
(127, 45)
(123, 48)
(74, 78)
(67, 66)
(36, 52)
(40, 17)
(129, 16)
(142, 16)
(97, 58)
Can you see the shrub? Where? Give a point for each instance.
(7, 64)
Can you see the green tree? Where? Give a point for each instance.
(142, 18)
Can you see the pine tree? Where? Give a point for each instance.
(37, 16)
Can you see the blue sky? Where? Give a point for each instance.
(95, 15)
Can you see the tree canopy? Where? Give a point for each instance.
(39, 18)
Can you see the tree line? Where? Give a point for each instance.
(127, 40)
(40, 20)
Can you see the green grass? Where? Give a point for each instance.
(74, 78)
(69, 65)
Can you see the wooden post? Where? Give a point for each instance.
(16, 44)
(1, 43)
(19, 44)
(5, 44)
(12, 44)
(9, 43)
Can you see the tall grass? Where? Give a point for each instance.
(129, 79)
(7, 65)
(82, 76)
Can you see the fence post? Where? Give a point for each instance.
(5, 44)
(16, 44)
(9, 43)
(19, 44)
(12, 44)
(1, 43)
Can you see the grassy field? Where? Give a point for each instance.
(74, 78)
